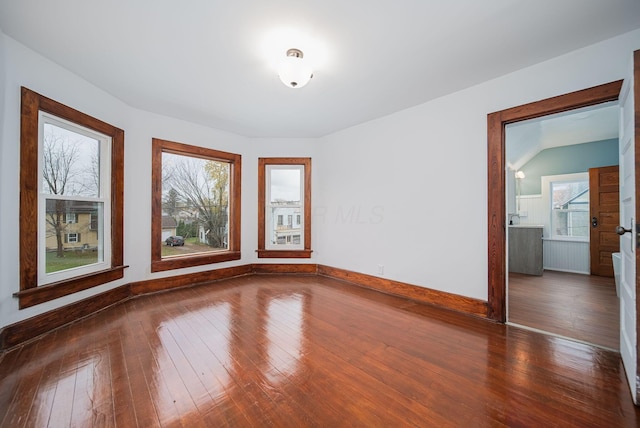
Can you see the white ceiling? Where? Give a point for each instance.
(211, 61)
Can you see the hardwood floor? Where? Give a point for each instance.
(278, 350)
(582, 307)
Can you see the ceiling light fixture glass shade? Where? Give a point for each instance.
(294, 71)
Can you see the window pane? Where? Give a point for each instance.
(70, 163)
(559, 221)
(285, 205)
(73, 244)
(578, 224)
(565, 193)
(285, 185)
(280, 233)
(570, 208)
(195, 205)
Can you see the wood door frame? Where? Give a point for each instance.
(496, 122)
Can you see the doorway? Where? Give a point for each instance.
(628, 92)
(496, 122)
(562, 216)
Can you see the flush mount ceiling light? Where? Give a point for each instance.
(294, 71)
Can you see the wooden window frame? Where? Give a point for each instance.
(159, 264)
(262, 251)
(30, 293)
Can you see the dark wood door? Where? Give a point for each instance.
(604, 201)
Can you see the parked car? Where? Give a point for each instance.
(175, 240)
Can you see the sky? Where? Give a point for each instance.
(285, 183)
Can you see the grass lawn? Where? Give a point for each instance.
(191, 245)
(70, 260)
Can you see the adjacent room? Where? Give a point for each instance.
(565, 282)
(285, 213)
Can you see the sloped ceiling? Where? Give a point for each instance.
(212, 61)
(526, 139)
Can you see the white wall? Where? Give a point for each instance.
(407, 191)
(425, 169)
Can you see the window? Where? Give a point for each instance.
(284, 193)
(195, 206)
(71, 169)
(570, 209)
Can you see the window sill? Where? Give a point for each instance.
(44, 293)
(188, 261)
(284, 254)
(558, 239)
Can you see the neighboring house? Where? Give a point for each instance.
(169, 226)
(187, 215)
(287, 226)
(78, 227)
(210, 237)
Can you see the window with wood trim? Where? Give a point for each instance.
(569, 200)
(195, 206)
(71, 200)
(284, 195)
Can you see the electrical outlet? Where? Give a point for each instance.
(380, 269)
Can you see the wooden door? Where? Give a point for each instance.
(604, 203)
(629, 200)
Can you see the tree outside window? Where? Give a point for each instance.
(198, 189)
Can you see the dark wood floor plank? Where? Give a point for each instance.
(43, 401)
(102, 413)
(27, 388)
(246, 365)
(582, 307)
(10, 378)
(283, 350)
(144, 395)
(123, 405)
(65, 386)
(189, 354)
(377, 364)
(303, 399)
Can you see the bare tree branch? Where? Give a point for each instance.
(202, 186)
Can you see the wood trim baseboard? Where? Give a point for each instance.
(301, 268)
(22, 331)
(33, 327)
(176, 281)
(421, 294)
